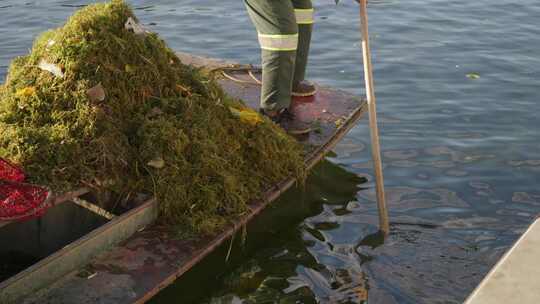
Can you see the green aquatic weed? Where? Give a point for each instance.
(154, 124)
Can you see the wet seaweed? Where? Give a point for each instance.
(96, 104)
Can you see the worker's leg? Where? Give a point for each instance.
(304, 17)
(278, 38)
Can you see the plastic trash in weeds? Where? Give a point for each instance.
(247, 116)
(96, 93)
(52, 68)
(20, 201)
(157, 163)
(50, 43)
(134, 26)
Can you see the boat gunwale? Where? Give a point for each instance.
(85, 240)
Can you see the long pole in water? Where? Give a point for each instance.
(373, 128)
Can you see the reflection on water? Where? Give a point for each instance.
(300, 250)
(321, 245)
(461, 155)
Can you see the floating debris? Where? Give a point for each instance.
(473, 75)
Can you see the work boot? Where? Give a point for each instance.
(303, 88)
(287, 120)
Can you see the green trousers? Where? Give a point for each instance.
(284, 30)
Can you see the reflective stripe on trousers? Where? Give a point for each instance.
(278, 42)
(284, 34)
(304, 16)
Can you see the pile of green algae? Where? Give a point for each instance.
(161, 127)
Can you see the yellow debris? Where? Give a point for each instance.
(26, 92)
(129, 69)
(247, 116)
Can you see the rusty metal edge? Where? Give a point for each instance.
(338, 135)
(79, 252)
(258, 206)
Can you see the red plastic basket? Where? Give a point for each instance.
(18, 200)
(10, 172)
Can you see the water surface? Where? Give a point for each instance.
(461, 155)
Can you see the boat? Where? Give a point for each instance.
(128, 256)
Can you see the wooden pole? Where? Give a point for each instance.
(373, 128)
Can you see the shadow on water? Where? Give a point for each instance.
(322, 245)
(275, 262)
